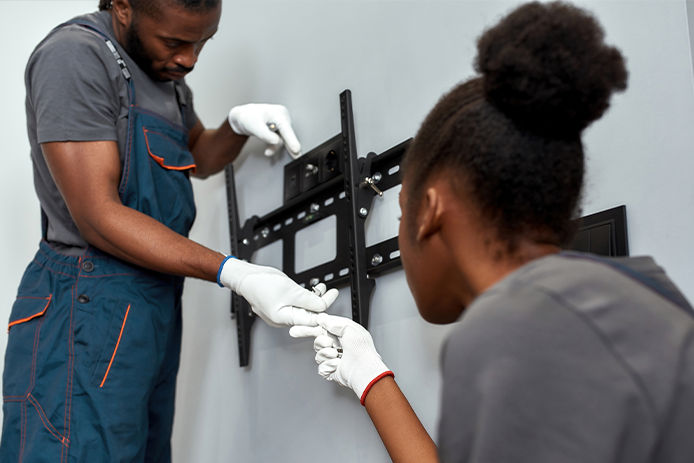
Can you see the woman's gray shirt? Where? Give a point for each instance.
(568, 360)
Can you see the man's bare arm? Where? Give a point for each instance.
(87, 175)
(213, 149)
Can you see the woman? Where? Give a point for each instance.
(559, 356)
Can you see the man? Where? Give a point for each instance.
(94, 335)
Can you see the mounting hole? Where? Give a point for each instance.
(343, 272)
(329, 201)
(328, 277)
(342, 195)
(277, 227)
(289, 221)
(301, 215)
(331, 161)
(394, 169)
(395, 254)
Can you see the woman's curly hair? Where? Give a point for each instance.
(510, 139)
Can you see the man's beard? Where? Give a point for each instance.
(136, 50)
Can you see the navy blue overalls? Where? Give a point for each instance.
(94, 342)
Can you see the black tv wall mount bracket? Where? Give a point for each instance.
(330, 180)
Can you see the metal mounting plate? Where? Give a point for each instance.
(338, 189)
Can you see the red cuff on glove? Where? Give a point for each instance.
(374, 381)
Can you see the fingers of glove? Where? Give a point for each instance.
(302, 331)
(289, 315)
(252, 119)
(334, 324)
(259, 129)
(324, 340)
(327, 368)
(309, 300)
(290, 140)
(283, 123)
(330, 296)
(320, 289)
(328, 353)
(271, 150)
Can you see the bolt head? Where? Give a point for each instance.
(363, 212)
(314, 281)
(377, 177)
(376, 259)
(265, 232)
(314, 207)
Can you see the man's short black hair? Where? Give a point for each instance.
(152, 6)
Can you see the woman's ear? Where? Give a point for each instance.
(430, 214)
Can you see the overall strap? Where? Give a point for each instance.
(181, 100)
(114, 51)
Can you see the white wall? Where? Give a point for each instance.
(397, 57)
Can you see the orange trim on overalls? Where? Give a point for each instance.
(160, 160)
(36, 315)
(116, 349)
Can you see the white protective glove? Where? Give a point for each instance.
(256, 120)
(273, 296)
(358, 365)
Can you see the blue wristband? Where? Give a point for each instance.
(219, 272)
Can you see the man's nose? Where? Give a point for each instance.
(187, 57)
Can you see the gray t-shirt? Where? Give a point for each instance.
(75, 92)
(567, 360)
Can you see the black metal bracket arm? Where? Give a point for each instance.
(330, 180)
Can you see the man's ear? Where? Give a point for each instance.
(122, 12)
(430, 215)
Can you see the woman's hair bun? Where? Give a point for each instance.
(547, 68)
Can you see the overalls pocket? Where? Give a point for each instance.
(167, 152)
(24, 334)
(106, 329)
(167, 176)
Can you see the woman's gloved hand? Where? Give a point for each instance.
(345, 353)
(269, 122)
(273, 296)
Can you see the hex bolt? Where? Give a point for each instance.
(376, 259)
(363, 212)
(377, 177)
(314, 208)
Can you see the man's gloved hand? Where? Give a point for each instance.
(273, 296)
(357, 366)
(253, 119)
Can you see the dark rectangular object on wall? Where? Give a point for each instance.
(603, 233)
(313, 168)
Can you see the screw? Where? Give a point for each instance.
(376, 259)
(363, 212)
(370, 182)
(314, 208)
(311, 169)
(377, 177)
(265, 232)
(245, 241)
(314, 281)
